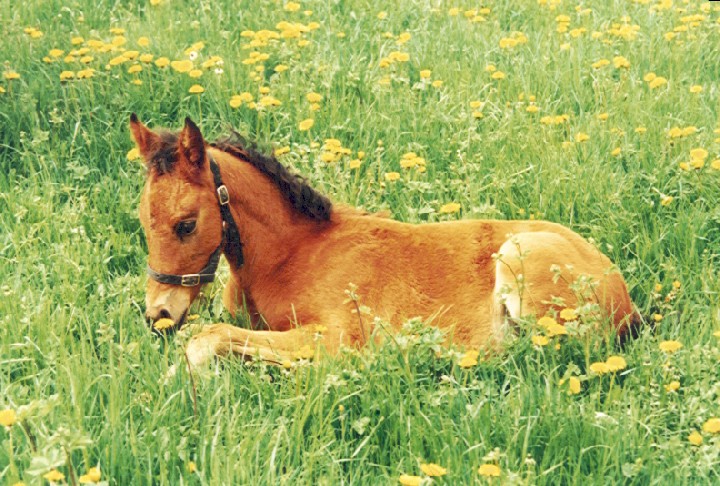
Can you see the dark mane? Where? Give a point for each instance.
(301, 196)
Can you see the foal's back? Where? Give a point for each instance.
(470, 274)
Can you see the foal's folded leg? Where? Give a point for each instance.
(270, 346)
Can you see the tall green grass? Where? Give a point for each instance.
(88, 381)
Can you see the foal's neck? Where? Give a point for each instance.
(270, 230)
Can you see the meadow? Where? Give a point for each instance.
(603, 116)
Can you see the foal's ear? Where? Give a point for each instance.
(146, 140)
(192, 144)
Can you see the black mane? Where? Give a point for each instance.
(303, 198)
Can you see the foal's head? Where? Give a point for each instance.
(179, 213)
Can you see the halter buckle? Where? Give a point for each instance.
(190, 280)
(223, 195)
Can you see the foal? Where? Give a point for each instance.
(293, 256)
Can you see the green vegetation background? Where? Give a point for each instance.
(86, 377)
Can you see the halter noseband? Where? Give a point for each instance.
(230, 235)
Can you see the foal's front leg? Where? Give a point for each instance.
(271, 346)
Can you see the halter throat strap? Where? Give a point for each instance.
(230, 242)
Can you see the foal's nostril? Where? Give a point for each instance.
(154, 314)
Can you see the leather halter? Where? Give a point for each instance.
(230, 237)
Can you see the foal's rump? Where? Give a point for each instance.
(551, 267)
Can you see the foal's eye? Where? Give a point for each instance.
(184, 228)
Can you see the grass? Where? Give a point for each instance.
(86, 379)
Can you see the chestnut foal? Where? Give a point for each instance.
(292, 257)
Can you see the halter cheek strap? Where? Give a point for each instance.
(230, 242)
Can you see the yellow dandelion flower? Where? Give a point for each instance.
(280, 68)
(54, 476)
(498, 75)
(2, 90)
(657, 82)
(77, 40)
(56, 52)
(381, 15)
(10, 75)
(666, 201)
(698, 154)
(306, 124)
(281, 151)
(546, 322)
(425, 74)
(235, 102)
(8, 417)
(695, 438)
(116, 61)
(92, 476)
(600, 63)
(133, 154)
(532, 109)
(162, 62)
(191, 467)
(136, 68)
(673, 386)
(407, 480)
(615, 363)
(640, 130)
(599, 368)
(649, 77)
(621, 62)
(556, 330)
(449, 208)
(292, 7)
(196, 89)
(469, 359)
(162, 324)
(392, 176)
(195, 73)
(313, 97)
(118, 41)
(540, 340)
(66, 75)
(670, 346)
(616, 152)
(403, 38)
(183, 66)
(355, 164)
(712, 426)
(433, 470)
(489, 470)
(696, 88)
(582, 137)
(574, 385)
(269, 101)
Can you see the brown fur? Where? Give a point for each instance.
(299, 263)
